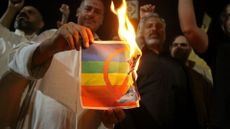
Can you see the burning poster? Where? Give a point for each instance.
(109, 69)
(106, 80)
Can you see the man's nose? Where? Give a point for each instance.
(23, 13)
(153, 30)
(154, 27)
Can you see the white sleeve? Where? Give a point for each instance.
(2, 46)
(4, 32)
(22, 59)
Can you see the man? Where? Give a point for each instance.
(199, 81)
(27, 23)
(216, 50)
(56, 63)
(162, 83)
(181, 50)
(225, 20)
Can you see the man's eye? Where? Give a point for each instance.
(88, 8)
(183, 45)
(159, 26)
(97, 11)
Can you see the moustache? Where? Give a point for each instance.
(89, 18)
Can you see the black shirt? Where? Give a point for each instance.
(165, 97)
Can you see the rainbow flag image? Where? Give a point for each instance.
(105, 79)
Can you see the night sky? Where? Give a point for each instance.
(166, 8)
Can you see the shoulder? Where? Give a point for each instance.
(45, 35)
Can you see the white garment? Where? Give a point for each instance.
(57, 101)
(9, 42)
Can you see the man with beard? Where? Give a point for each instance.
(56, 63)
(165, 99)
(200, 84)
(27, 23)
(181, 50)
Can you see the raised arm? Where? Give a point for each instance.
(64, 9)
(196, 36)
(146, 10)
(11, 11)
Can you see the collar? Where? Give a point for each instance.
(21, 33)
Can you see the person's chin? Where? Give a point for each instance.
(153, 42)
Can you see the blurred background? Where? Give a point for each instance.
(166, 8)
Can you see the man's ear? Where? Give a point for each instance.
(41, 24)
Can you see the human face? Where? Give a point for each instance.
(227, 22)
(180, 48)
(91, 14)
(154, 33)
(29, 20)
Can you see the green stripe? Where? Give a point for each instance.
(98, 67)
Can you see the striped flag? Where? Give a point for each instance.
(105, 79)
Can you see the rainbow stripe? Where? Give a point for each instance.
(104, 77)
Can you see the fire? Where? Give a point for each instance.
(126, 32)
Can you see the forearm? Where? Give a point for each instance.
(196, 36)
(42, 55)
(198, 39)
(26, 61)
(8, 17)
(186, 14)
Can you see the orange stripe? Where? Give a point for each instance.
(102, 97)
(96, 91)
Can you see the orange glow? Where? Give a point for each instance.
(126, 31)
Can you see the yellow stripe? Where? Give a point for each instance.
(98, 79)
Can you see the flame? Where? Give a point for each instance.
(126, 31)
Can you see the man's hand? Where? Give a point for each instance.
(15, 5)
(146, 10)
(111, 117)
(12, 9)
(71, 36)
(64, 9)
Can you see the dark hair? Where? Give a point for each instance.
(84, 0)
(143, 20)
(223, 15)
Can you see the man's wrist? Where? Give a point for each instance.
(11, 10)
